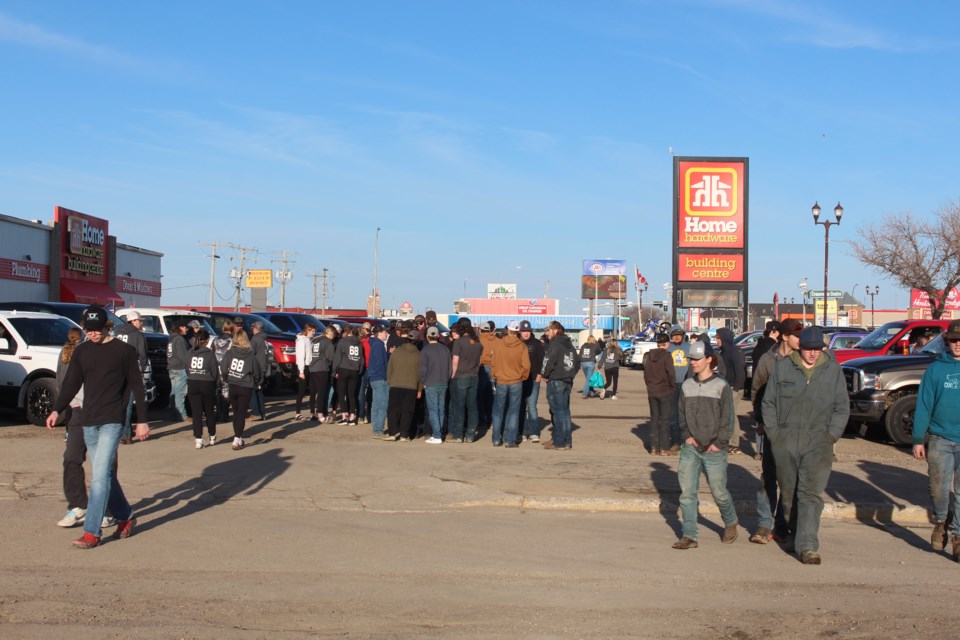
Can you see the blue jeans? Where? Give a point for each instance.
(588, 368)
(436, 408)
(257, 404)
(362, 393)
(463, 407)
(378, 408)
(769, 507)
(943, 462)
(105, 491)
(531, 419)
(558, 397)
(178, 391)
(485, 394)
(506, 408)
(128, 419)
(692, 462)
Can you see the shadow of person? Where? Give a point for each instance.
(872, 507)
(905, 484)
(742, 485)
(642, 432)
(217, 484)
(665, 482)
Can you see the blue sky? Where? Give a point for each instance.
(488, 140)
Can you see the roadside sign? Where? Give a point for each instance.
(831, 293)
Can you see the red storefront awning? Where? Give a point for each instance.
(88, 293)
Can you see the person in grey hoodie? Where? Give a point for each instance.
(322, 353)
(348, 363)
(435, 375)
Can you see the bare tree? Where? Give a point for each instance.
(917, 253)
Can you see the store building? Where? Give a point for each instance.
(74, 258)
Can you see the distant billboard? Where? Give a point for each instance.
(603, 279)
(501, 290)
(259, 278)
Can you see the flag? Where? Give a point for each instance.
(640, 278)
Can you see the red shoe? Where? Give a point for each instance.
(124, 529)
(86, 541)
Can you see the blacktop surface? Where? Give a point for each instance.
(339, 467)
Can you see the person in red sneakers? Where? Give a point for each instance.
(108, 370)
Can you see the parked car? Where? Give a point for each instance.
(883, 389)
(162, 320)
(156, 342)
(893, 338)
(844, 340)
(634, 355)
(30, 344)
(281, 359)
(292, 321)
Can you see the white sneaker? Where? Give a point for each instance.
(613, 397)
(603, 393)
(199, 443)
(74, 517)
(432, 440)
(534, 438)
(108, 521)
(213, 439)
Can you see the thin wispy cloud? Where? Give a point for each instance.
(33, 36)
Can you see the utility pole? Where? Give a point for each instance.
(314, 277)
(239, 273)
(323, 292)
(283, 276)
(213, 263)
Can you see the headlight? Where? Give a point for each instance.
(871, 380)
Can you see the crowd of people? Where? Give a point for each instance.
(411, 380)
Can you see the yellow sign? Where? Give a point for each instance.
(259, 278)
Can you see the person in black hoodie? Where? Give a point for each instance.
(734, 371)
(259, 346)
(531, 386)
(560, 366)
(347, 363)
(203, 374)
(177, 367)
(770, 339)
(322, 353)
(241, 370)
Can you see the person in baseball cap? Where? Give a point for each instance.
(94, 318)
(525, 326)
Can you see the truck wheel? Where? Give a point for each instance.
(899, 420)
(41, 395)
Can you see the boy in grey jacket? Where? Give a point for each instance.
(706, 424)
(435, 375)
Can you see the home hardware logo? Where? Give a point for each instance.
(82, 234)
(711, 191)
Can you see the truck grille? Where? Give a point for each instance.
(853, 378)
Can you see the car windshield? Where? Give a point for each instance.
(43, 332)
(935, 346)
(880, 336)
(186, 319)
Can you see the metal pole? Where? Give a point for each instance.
(826, 266)
(213, 270)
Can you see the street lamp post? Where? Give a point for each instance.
(803, 299)
(871, 293)
(640, 290)
(838, 212)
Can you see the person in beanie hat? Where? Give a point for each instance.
(936, 439)
(805, 410)
(771, 524)
(108, 370)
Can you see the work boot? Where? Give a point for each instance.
(956, 548)
(729, 534)
(809, 556)
(938, 539)
(685, 543)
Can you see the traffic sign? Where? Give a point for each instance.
(831, 293)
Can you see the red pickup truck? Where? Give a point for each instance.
(893, 338)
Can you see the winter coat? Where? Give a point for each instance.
(560, 362)
(707, 412)
(658, 373)
(938, 401)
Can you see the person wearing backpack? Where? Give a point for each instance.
(560, 366)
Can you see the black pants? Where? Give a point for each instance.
(401, 406)
(240, 401)
(661, 410)
(348, 384)
(303, 386)
(203, 399)
(612, 375)
(74, 478)
(319, 386)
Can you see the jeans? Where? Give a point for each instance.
(178, 391)
(463, 407)
(558, 397)
(588, 367)
(531, 419)
(943, 463)
(105, 490)
(485, 394)
(692, 462)
(378, 409)
(661, 411)
(257, 404)
(436, 408)
(128, 419)
(803, 474)
(769, 507)
(362, 412)
(675, 416)
(506, 409)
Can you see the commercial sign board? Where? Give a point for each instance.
(603, 279)
(711, 204)
(500, 290)
(24, 270)
(921, 300)
(137, 287)
(510, 307)
(831, 293)
(83, 246)
(259, 278)
(710, 298)
(710, 267)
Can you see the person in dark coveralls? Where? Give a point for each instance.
(109, 371)
(805, 410)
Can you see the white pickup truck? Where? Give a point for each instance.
(30, 344)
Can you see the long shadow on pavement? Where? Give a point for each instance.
(218, 483)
